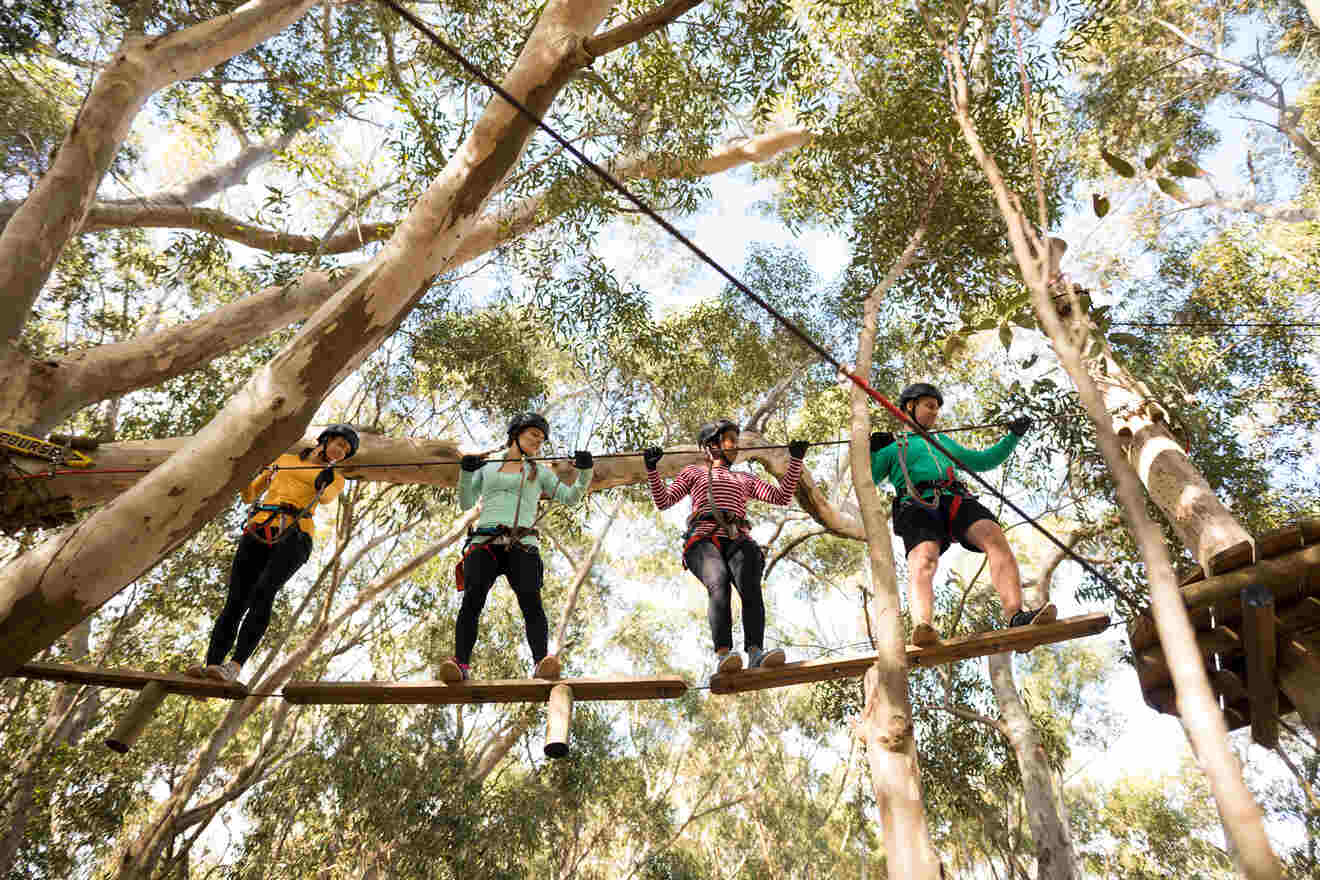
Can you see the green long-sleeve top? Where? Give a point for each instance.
(499, 493)
(925, 462)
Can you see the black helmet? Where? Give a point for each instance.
(528, 420)
(345, 431)
(711, 432)
(916, 391)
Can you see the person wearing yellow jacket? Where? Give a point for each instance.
(276, 541)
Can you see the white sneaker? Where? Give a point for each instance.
(756, 658)
(225, 672)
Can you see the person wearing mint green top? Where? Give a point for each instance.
(933, 508)
(504, 541)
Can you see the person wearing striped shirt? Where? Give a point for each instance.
(718, 547)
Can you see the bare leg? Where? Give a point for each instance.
(1004, 574)
(922, 561)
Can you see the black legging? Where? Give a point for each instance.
(739, 563)
(258, 572)
(522, 567)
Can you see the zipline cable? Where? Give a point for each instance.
(650, 212)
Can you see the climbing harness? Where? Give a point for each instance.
(500, 535)
(950, 486)
(283, 519)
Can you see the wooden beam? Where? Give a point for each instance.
(137, 717)
(1281, 576)
(1153, 666)
(1299, 678)
(131, 679)
(1021, 638)
(520, 690)
(559, 719)
(1258, 637)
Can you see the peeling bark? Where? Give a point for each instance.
(36, 235)
(1046, 814)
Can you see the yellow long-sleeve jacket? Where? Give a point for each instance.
(292, 484)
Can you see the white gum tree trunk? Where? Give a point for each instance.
(39, 229)
(53, 587)
(39, 394)
(1046, 814)
(886, 724)
(1178, 488)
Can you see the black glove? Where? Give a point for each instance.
(1020, 426)
(797, 448)
(324, 478)
(652, 455)
(881, 439)
(582, 459)
(471, 463)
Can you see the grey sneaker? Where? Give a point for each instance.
(756, 658)
(728, 662)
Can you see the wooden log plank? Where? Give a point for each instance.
(1232, 558)
(1258, 637)
(1299, 678)
(135, 720)
(559, 720)
(1282, 576)
(1153, 666)
(1301, 618)
(130, 679)
(526, 690)
(1022, 638)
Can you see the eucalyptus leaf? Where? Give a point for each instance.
(1121, 166)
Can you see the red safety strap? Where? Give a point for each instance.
(458, 569)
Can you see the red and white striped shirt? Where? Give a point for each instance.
(731, 491)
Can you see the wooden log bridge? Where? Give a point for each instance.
(516, 690)
(1256, 614)
(1021, 638)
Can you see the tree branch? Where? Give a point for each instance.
(631, 31)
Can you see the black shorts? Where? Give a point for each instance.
(915, 524)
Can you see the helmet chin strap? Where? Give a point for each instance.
(721, 453)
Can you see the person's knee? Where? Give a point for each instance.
(923, 562)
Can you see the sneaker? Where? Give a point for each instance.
(756, 658)
(923, 635)
(1047, 613)
(547, 667)
(453, 672)
(730, 661)
(225, 672)
(197, 670)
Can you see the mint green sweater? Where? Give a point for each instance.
(499, 494)
(924, 462)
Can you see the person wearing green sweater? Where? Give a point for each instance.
(932, 509)
(504, 540)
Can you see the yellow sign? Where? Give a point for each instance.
(43, 449)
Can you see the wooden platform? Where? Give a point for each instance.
(1261, 655)
(521, 690)
(131, 679)
(1022, 638)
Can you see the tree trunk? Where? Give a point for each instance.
(53, 587)
(1055, 858)
(36, 235)
(1181, 492)
(886, 722)
(106, 480)
(1197, 706)
(39, 394)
